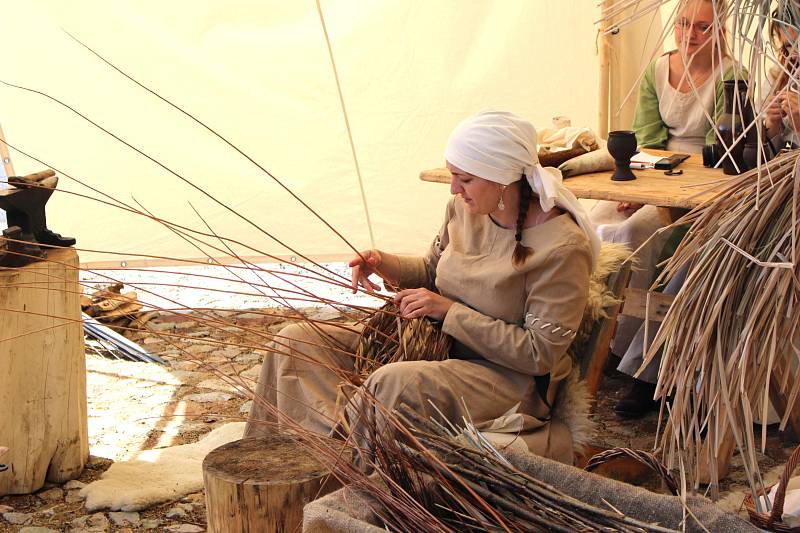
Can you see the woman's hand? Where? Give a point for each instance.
(791, 107)
(774, 116)
(417, 303)
(629, 208)
(363, 267)
(387, 266)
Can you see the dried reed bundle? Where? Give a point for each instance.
(731, 338)
(389, 338)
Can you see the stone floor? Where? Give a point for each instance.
(138, 406)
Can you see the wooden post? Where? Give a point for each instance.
(5, 159)
(261, 485)
(43, 419)
(604, 51)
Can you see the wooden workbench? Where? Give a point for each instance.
(653, 187)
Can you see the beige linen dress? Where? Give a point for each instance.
(508, 325)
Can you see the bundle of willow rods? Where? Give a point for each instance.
(735, 324)
(468, 486)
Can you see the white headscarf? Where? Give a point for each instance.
(501, 147)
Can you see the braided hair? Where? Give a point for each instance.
(522, 252)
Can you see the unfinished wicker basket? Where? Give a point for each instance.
(387, 338)
(773, 520)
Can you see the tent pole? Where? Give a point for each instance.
(9, 168)
(604, 45)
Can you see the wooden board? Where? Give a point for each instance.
(644, 304)
(651, 187)
(43, 418)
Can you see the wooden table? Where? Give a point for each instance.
(694, 186)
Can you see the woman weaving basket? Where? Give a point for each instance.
(507, 276)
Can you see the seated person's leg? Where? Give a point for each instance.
(638, 401)
(299, 376)
(488, 390)
(633, 233)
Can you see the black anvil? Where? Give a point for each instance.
(27, 223)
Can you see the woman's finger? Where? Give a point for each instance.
(364, 280)
(370, 285)
(407, 300)
(356, 275)
(401, 295)
(414, 309)
(419, 313)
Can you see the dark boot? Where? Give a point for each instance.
(638, 401)
(612, 363)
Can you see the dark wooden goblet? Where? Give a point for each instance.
(622, 146)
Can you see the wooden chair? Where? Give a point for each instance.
(596, 351)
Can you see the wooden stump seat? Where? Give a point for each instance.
(261, 484)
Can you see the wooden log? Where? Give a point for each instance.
(42, 374)
(261, 484)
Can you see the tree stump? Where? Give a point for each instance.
(261, 484)
(43, 418)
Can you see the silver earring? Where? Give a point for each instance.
(501, 205)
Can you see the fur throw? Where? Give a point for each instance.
(157, 476)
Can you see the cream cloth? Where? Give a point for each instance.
(501, 147)
(558, 139)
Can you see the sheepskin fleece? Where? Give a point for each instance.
(611, 257)
(572, 407)
(157, 476)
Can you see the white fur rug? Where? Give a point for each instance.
(157, 476)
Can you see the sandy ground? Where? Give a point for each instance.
(139, 406)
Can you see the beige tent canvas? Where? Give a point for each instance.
(261, 73)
